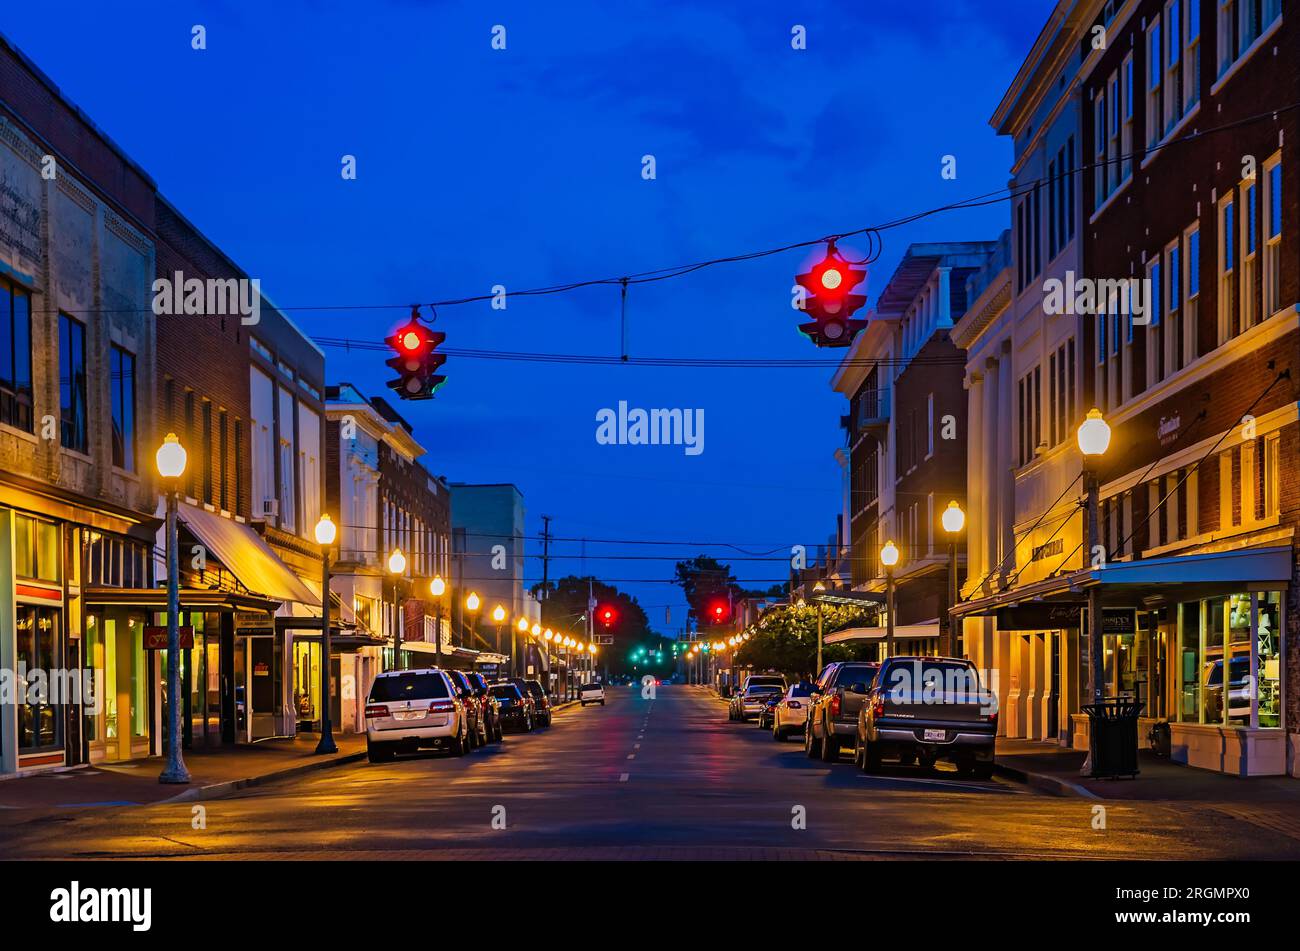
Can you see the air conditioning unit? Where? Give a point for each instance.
(270, 508)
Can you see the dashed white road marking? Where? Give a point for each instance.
(631, 756)
(622, 777)
(636, 746)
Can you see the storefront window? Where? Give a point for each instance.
(306, 683)
(1268, 641)
(40, 722)
(1190, 651)
(1216, 685)
(1121, 665)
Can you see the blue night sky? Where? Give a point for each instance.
(522, 167)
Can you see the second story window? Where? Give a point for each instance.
(15, 357)
(1272, 236)
(1227, 270)
(122, 395)
(74, 431)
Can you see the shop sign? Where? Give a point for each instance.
(1167, 430)
(155, 637)
(1048, 617)
(252, 620)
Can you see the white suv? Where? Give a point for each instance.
(591, 693)
(408, 709)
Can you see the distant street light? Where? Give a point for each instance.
(326, 532)
(397, 567)
(170, 459)
(889, 558)
(954, 520)
(1094, 440)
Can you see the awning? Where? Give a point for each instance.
(901, 633)
(247, 555)
(192, 599)
(1149, 582)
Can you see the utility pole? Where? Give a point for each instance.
(546, 553)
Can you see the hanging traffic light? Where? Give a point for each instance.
(417, 359)
(718, 612)
(829, 302)
(607, 616)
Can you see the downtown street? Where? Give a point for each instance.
(663, 779)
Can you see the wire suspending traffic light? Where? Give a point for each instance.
(417, 359)
(827, 299)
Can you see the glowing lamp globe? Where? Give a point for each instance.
(1094, 434)
(171, 458)
(397, 562)
(523, 625)
(954, 519)
(498, 614)
(889, 554)
(326, 531)
(473, 602)
(437, 587)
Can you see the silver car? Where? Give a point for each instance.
(791, 714)
(752, 699)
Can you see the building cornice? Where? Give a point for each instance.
(990, 305)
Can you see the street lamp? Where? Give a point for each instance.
(818, 588)
(437, 588)
(954, 520)
(170, 460)
(472, 603)
(397, 567)
(499, 616)
(1094, 439)
(521, 628)
(326, 532)
(889, 558)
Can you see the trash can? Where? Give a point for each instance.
(1113, 740)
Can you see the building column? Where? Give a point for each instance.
(977, 524)
(8, 643)
(991, 465)
(1006, 466)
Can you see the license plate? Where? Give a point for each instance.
(936, 735)
(408, 715)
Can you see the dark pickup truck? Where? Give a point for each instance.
(922, 709)
(833, 708)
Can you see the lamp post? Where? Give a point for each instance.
(819, 588)
(954, 520)
(498, 617)
(397, 567)
(170, 460)
(889, 558)
(1094, 439)
(326, 531)
(472, 603)
(437, 588)
(520, 628)
(536, 631)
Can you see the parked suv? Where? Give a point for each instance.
(516, 706)
(541, 699)
(833, 708)
(410, 709)
(593, 692)
(491, 708)
(474, 705)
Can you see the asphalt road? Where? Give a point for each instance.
(668, 778)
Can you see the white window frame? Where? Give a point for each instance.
(1272, 243)
(1225, 272)
(1191, 291)
(1173, 62)
(1155, 72)
(1191, 54)
(1172, 295)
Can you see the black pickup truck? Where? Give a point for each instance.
(833, 708)
(922, 709)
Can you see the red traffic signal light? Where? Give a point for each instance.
(718, 612)
(829, 302)
(417, 360)
(607, 616)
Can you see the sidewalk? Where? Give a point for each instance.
(214, 772)
(1056, 769)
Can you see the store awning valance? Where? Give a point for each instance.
(1151, 581)
(247, 555)
(192, 599)
(901, 633)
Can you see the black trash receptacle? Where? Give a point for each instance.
(1113, 740)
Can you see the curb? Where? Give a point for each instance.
(1049, 784)
(217, 790)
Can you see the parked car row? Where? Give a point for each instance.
(914, 710)
(452, 710)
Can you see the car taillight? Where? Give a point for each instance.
(376, 710)
(794, 705)
(440, 706)
(992, 718)
(835, 705)
(878, 707)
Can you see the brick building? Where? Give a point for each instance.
(907, 438)
(77, 493)
(1197, 229)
